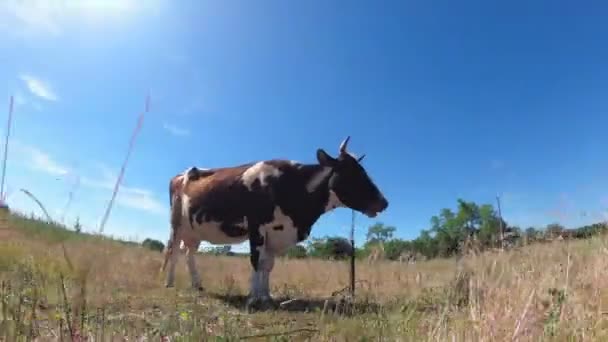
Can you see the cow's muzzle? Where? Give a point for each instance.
(377, 207)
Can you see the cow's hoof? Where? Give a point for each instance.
(260, 304)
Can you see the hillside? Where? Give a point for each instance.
(108, 289)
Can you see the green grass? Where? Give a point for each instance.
(109, 290)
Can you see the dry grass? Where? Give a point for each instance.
(544, 292)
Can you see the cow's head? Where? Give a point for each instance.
(350, 182)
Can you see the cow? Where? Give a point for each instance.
(272, 203)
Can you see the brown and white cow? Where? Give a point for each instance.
(272, 203)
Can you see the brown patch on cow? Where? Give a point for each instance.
(219, 178)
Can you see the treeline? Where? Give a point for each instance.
(470, 226)
(450, 233)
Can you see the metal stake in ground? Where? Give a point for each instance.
(502, 233)
(352, 256)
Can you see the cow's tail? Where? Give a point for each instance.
(175, 205)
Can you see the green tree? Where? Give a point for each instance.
(329, 247)
(296, 252)
(531, 233)
(553, 229)
(221, 250)
(489, 230)
(77, 225)
(378, 232)
(154, 245)
(450, 230)
(394, 247)
(425, 244)
(468, 217)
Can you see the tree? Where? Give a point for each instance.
(319, 248)
(221, 250)
(553, 230)
(531, 234)
(154, 245)
(329, 247)
(469, 216)
(489, 229)
(425, 244)
(379, 232)
(77, 225)
(450, 231)
(395, 247)
(296, 252)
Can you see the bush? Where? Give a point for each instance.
(154, 245)
(296, 252)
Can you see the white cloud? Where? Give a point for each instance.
(44, 162)
(142, 200)
(130, 197)
(39, 160)
(29, 16)
(39, 87)
(50, 17)
(22, 100)
(175, 130)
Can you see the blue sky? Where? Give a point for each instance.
(447, 100)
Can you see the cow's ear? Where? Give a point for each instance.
(325, 159)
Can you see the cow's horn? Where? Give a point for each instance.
(344, 144)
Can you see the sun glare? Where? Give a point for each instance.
(51, 16)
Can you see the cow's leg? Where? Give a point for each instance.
(172, 251)
(262, 262)
(171, 256)
(190, 261)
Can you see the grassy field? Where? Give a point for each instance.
(108, 290)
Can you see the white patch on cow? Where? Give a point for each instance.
(182, 178)
(260, 279)
(185, 208)
(317, 179)
(259, 171)
(333, 202)
(211, 232)
(278, 241)
(208, 230)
